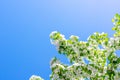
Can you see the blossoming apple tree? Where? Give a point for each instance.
(103, 63)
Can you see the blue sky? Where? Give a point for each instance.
(25, 25)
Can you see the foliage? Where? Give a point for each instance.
(103, 64)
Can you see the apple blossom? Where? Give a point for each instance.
(76, 51)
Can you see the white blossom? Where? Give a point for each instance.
(34, 77)
(76, 51)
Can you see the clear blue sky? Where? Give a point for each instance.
(25, 25)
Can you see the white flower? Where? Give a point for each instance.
(34, 77)
(54, 32)
(63, 36)
(102, 33)
(55, 42)
(119, 27)
(72, 37)
(84, 51)
(56, 77)
(75, 49)
(112, 40)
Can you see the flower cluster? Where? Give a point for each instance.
(99, 50)
(34, 77)
(76, 51)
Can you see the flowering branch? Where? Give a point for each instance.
(103, 63)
